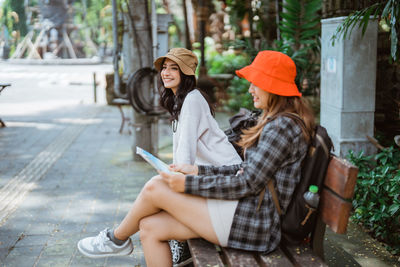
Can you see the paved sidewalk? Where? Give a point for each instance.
(89, 187)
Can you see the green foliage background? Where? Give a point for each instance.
(388, 12)
(227, 63)
(13, 23)
(377, 195)
(300, 39)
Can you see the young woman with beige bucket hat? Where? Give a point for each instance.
(197, 138)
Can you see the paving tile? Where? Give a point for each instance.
(81, 261)
(19, 260)
(32, 240)
(131, 260)
(64, 239)
(58, 250)
(16, 224)
(3, 254)
(7, 240)
(31, 251)
(51, 261)
(68, 227)
(41, 228)
(95, 227)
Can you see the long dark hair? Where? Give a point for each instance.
(173, 103)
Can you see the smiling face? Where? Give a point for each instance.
(170, 75)
(260, 97)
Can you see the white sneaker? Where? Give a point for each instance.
(101, 246)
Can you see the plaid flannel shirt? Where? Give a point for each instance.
(277, 155)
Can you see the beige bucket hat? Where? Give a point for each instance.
(186, 60)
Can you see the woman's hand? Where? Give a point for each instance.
(184, 168)
(176, 181)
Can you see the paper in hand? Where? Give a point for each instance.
(154, 161)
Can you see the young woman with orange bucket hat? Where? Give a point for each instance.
(181, 206)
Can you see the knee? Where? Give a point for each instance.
(151, 187)
(147, 229)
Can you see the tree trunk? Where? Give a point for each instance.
(187, 32)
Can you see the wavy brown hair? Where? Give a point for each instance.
(173, 103)
(280, 104)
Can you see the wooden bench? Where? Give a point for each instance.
(334, 211)
(2, 87)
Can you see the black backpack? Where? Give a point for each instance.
(299, 220)
(244, 119)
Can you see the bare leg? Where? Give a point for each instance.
(190, 211)
(155, 230)
(141, 208)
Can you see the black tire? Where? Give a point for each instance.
(136, 90)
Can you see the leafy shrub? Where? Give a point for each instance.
(377, 195)
(239, 96)
(227, 63)
(301, 31)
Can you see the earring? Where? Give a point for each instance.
(174, 125)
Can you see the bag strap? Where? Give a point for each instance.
(270, 184)
(296, 117)
(274, 196)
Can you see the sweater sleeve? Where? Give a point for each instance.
(269, 154)
(226, 169)
(191, 128)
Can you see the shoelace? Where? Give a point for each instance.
(101, 239)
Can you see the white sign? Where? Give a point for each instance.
(331, 65)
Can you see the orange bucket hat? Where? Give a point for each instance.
(273, 72)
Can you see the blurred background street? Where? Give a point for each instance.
(66, 172)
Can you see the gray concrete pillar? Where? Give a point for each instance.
(348, 79)
(163, 21)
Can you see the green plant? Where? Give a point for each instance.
(246, 45)
(238, 95)
(387, 12)
(377, 195)
(13, 18)
(300, 32)
(227, 63)
(95, 18)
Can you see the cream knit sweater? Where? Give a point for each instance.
(198, 138)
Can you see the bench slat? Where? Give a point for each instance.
(341, 177)
(276, 258)
(204, 254)
(303, 256)
(239, 258)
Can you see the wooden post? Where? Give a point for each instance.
(68, 43)
(94, 87)
(21, 47)
(33, 51)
